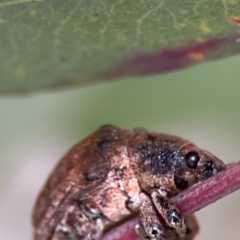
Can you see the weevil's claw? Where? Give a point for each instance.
(169, 212)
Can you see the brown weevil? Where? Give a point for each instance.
(115, 174)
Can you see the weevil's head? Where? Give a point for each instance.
(196, 165)
(171, 162)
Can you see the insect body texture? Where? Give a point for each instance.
(114, 174)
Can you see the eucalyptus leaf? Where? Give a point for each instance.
(60, 43)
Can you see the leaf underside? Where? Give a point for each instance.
(60, 43)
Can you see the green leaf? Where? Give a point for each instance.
(57, 43)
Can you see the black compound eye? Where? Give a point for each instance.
(192, 159)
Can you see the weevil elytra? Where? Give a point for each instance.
(115, 174)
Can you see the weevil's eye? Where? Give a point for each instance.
(192, 159)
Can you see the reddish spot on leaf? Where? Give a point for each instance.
(173, 59)
(196, 55)
(234, 19)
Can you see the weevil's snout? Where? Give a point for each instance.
(209, 165)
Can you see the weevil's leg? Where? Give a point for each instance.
(191, 230)
(150, 226)
(169, 212)
(79, 223)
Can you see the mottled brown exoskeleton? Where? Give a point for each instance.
(114, 174)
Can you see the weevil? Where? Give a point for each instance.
(115, 174)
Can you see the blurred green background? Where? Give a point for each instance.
(201, 104)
